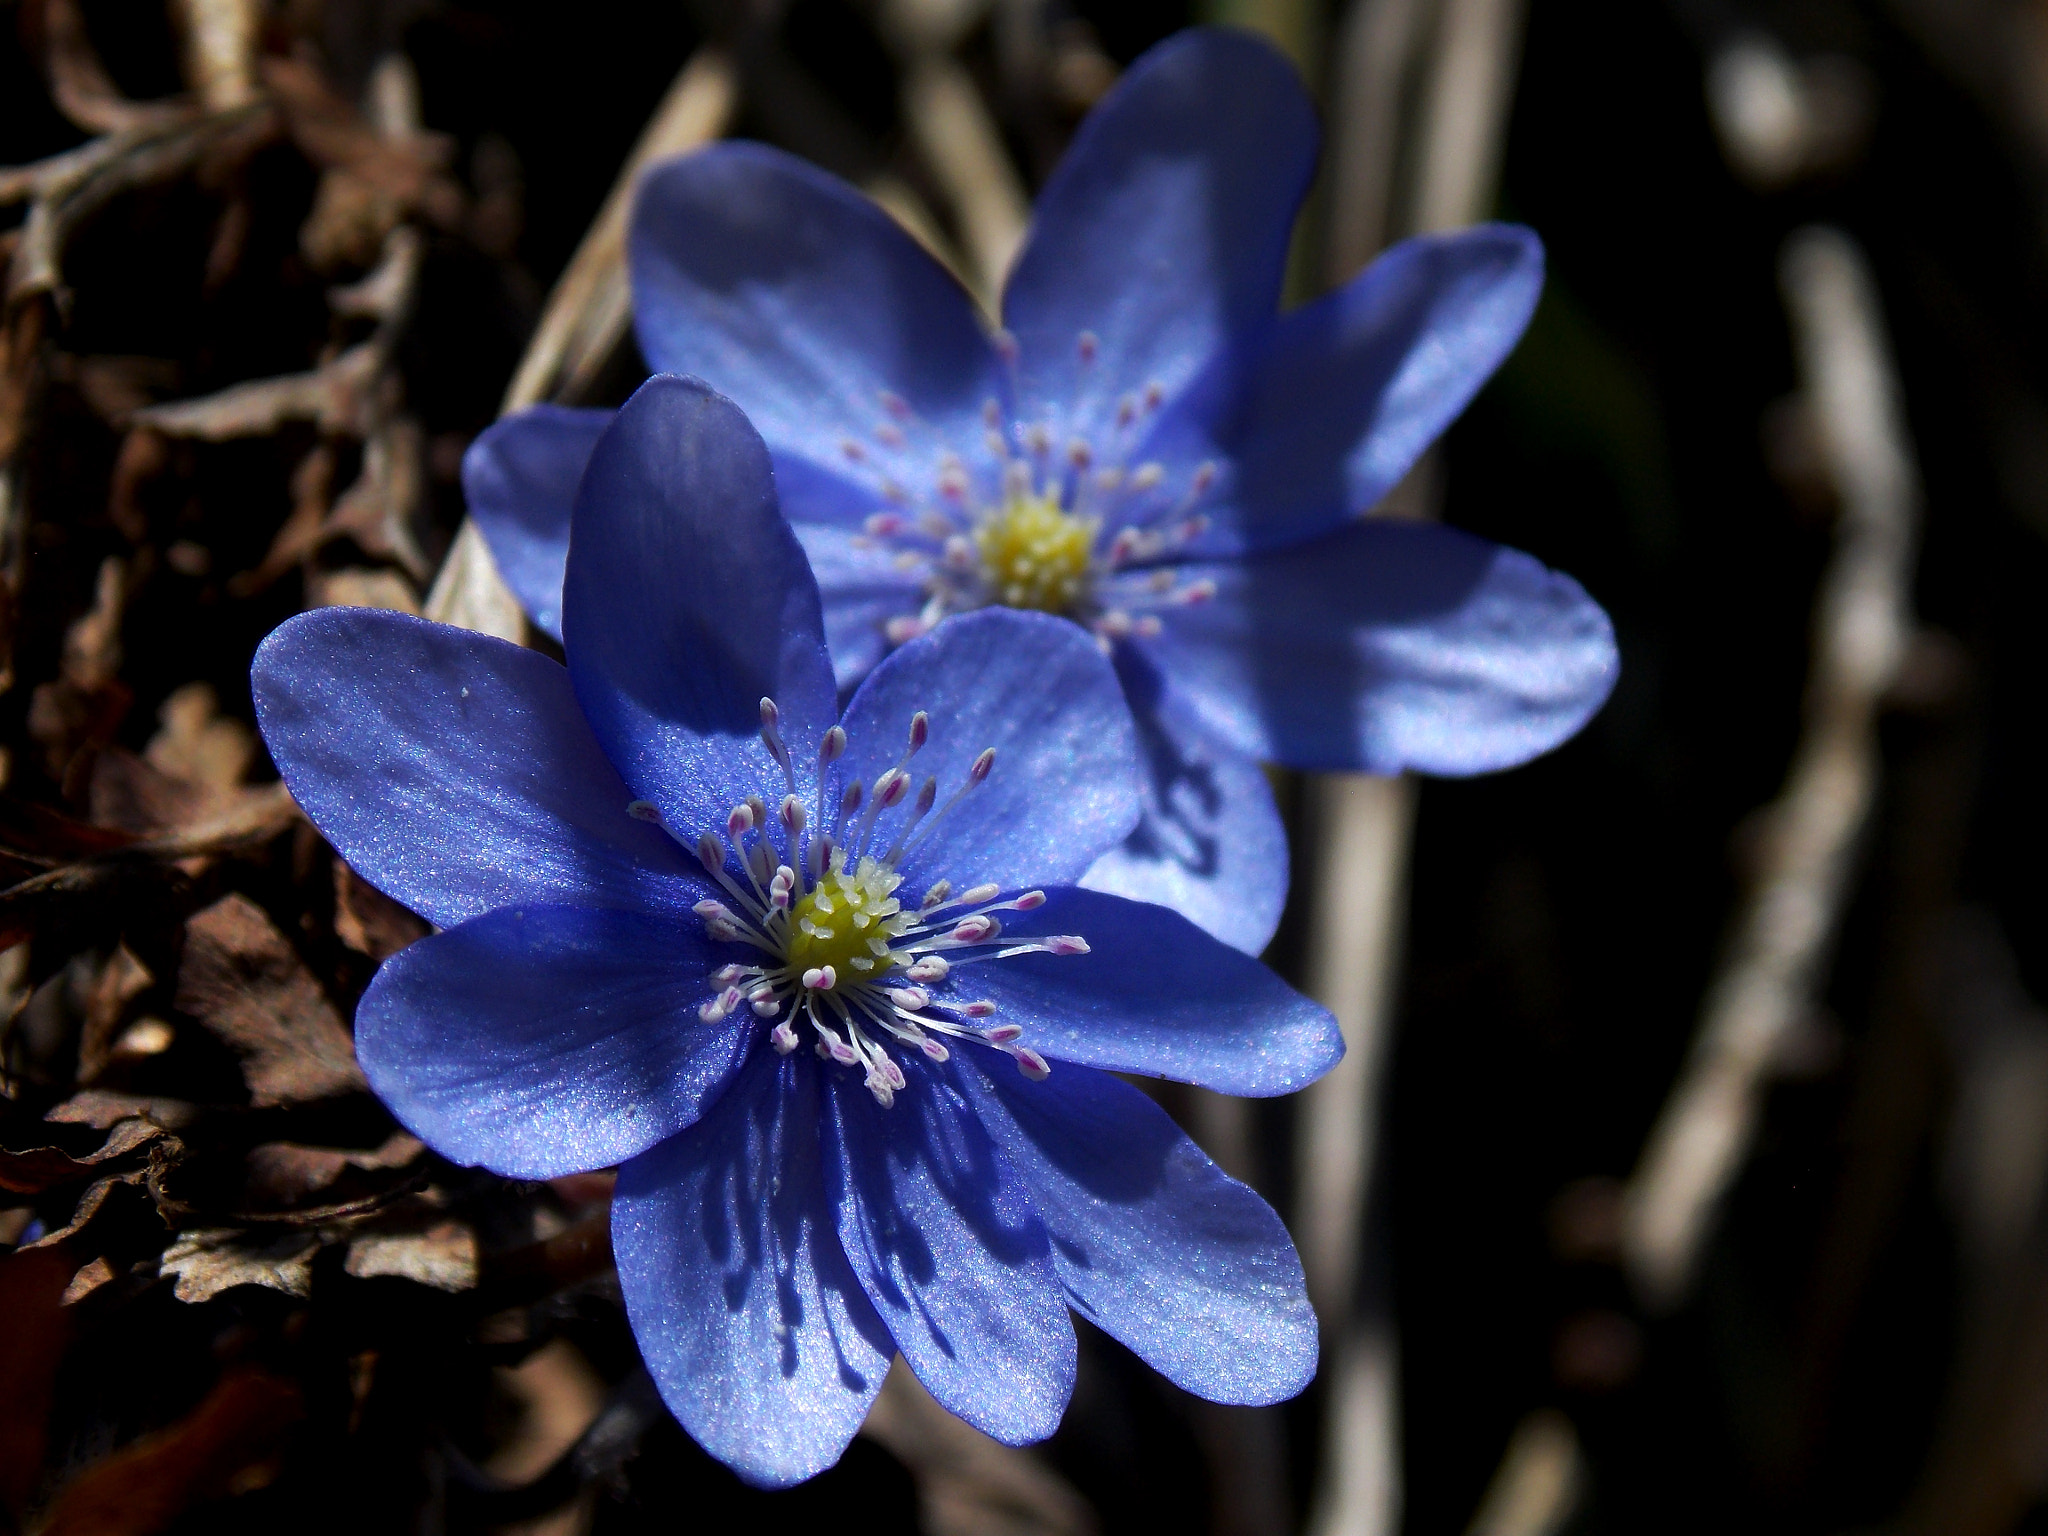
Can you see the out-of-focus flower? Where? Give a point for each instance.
(822, 983)
(1148, 448)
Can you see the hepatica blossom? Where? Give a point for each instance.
(1147, 448)
(822, 983)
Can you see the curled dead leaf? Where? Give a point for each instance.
(248, 986)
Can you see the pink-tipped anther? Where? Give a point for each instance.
(930, 968)
(1066, 944)
(645, 810)
(975, 895)
(783, 1038)
(1032, 1065)
(738, 820)
(833, 745)
(821, 978)
(1030, 901)
(920, 729)
(984, 765)
(1003, 1034)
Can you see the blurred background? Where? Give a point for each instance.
(1687, 1171)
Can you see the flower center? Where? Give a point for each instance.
(1033, 555)
(840, 954)
(848, 920)
(1081, 526)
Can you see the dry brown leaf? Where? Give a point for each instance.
(120, 980)
(145, 1486)
(31, 1346)
(368, 921)
(100, 1199)
(208, 1261)
(90, 1277)
(444, 1256)
(102, 1109)
(362, 586)
(281, 1174)
(198, 745)
(36, 1169)
(248, 986)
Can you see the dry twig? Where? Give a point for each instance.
(1783, 929)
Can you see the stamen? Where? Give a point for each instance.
(843, 954)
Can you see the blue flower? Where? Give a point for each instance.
(1149, 448)
(822, 983)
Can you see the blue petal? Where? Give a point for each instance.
(1210, 843)
(1155, 1244)
(1064, 788)
(799, 298)
(861, 590)
(1391, 645)
(1315, 422)
(520, 478)
(1164, 231)
(1158, 996)
(539, 1041)
(454, 771)
(943, 1237)
(688, 600)
(748, 1316)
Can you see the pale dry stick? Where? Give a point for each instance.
(1366, 826)
(1785, 924)
(337, 396)
(1538, 1482)
(586, 318)
(968, 1484)
(221, 38)
(80, 85)
(1376, 48)
(66, 189)
(958, 140)
(1464, 128)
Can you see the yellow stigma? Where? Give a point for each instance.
(1033, 555)
(847, 920)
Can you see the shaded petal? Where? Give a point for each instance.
(1164, 231)
(538, 1041)
(944, 1239)
(453, 771)
(1036, 688)
(1210, 843)
(1391, 645)
(1155, 1244)
(1318, 419)
(803, 301)
(519, 478)
(861, 590)
(688, 599)
(749, 1318)
(1158, 996)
